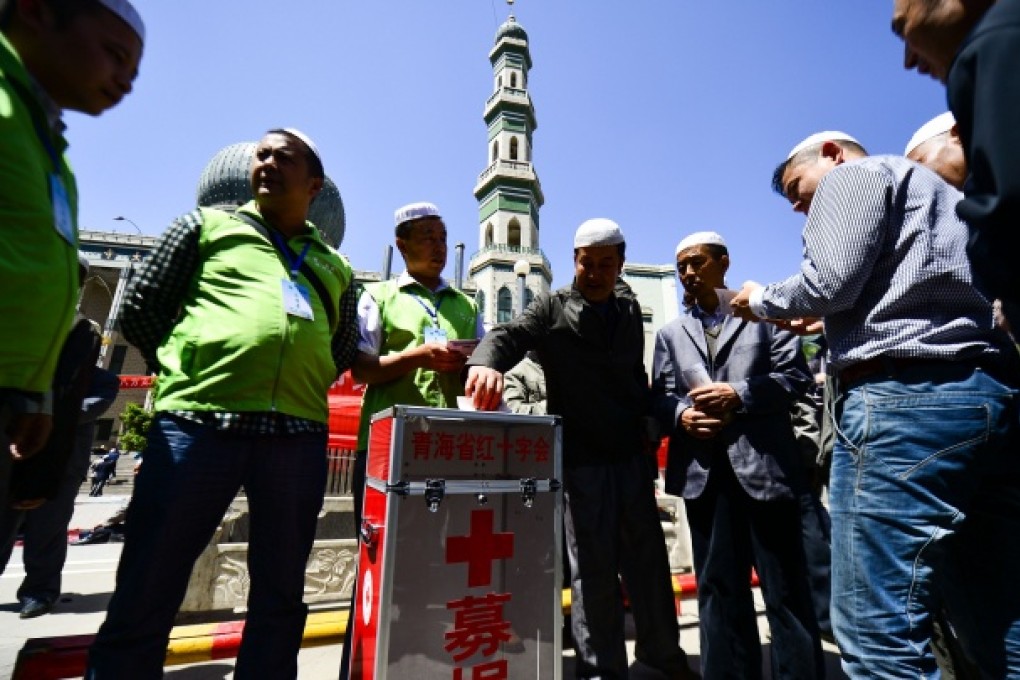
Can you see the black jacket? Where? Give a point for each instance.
(595, 377)
(984, 96)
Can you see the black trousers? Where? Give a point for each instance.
(730, 533)
(612, 529)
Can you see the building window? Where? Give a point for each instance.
(513, 148)
(513, 80)
(480, 302)
(513, 234)
(504, 305)
(495, 151)
(117, 360)
(488, 234)
(499, 82)
(528, 297)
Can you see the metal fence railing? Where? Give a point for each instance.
(340, 472)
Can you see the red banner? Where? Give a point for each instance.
(136, 382)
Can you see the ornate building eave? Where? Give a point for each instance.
(513, 173)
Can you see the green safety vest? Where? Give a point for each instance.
(38, 268)
(403, 317)
(235, 349)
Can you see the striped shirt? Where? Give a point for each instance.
(885, 264)
(150, 311)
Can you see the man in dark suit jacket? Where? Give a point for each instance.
(734, 459)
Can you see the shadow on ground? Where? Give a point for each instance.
(217, 671)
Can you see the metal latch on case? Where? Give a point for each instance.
(528, 490)
(435, 489)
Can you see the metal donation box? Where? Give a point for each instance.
(459, 569)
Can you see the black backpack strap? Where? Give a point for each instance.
(309, 274)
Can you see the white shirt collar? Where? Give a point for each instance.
(405, 279)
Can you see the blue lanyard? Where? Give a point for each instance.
(288, 254)
(44, 137)
(434, 314)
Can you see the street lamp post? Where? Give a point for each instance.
(521, 269)
(121, 218)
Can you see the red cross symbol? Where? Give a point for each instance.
(480, 548)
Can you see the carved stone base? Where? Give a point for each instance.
(220, 581)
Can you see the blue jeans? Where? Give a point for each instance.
(189, 476)
(925, 505)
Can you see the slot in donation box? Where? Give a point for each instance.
(459, 565)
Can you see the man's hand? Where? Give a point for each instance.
(485, 386)
(698, 424)
(741, 304)
(438, 357)
(717, 398)
(28, 433)
(805, 325)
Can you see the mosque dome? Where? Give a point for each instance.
(511, 29)
(226, 183)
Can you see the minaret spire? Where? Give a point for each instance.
(508, 191)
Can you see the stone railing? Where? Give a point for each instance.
(516, 250)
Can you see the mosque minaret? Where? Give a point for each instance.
(508, 191)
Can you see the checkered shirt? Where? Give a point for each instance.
(885, 264)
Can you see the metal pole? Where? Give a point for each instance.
(387, 262)
(520, 294)
(121, 218)
(458, 266)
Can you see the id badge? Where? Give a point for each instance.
(295, 300)
(433, 334)
(63, 222)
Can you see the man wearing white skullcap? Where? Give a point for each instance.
(735, 461)
(913, 526)
(936, 145)
(589, 337)
(806, 164)
(405, 326)
(243, 316)
(54, 55)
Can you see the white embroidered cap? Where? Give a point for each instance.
(818, 138)
(305, 139)
(598, 232)
(941, 123)
(415, 211)
(126, 11)
(700, 238)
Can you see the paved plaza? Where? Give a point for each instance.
(89, 580)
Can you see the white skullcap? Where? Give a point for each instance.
(305, 139)
(941, 123)
(126, 11)
(598, 232)
(415, 211)
(820, 137)
(700, 238)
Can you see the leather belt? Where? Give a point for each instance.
(885, 365)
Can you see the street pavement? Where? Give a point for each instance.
(89, 579)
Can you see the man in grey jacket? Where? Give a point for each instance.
(590, 340)
(734, 459)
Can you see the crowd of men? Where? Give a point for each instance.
(248, 316)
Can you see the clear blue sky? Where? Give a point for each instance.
(665, 116)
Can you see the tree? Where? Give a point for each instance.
(136, 422)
